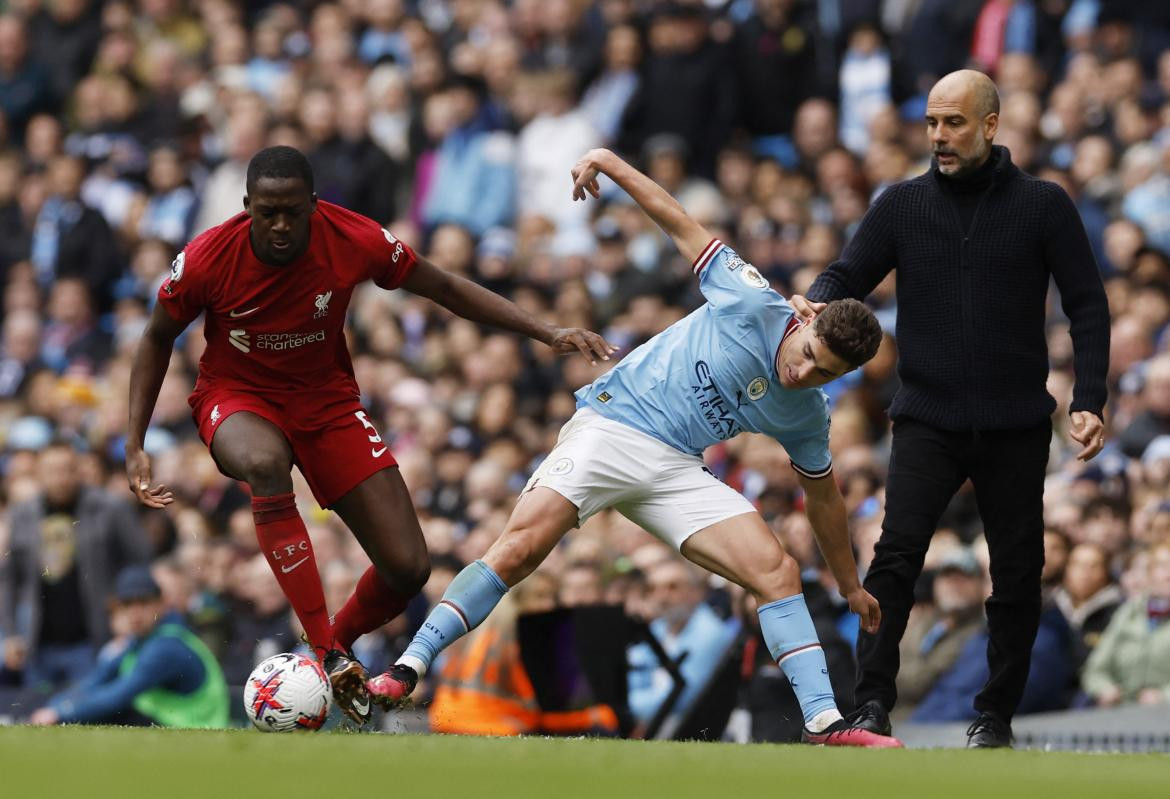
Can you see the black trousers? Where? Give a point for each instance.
(927, 467)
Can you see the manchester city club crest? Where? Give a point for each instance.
(753, 278)
(757, 388)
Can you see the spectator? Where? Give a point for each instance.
(687, 87)
(1153, 418)
(70, 239)
(937, 634)
(683, 623)
(555, 136)
(1132, 660)
(25, 86)
(775, 67)
(1088, 598)
(66, 546)
(606, 99)
(164, 675)
(473, 179)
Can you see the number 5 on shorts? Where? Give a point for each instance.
(372, 434)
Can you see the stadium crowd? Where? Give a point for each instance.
(125, 130)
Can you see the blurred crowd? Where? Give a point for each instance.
(125, 131)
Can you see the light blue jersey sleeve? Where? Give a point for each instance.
(731, 285)
(808, 452)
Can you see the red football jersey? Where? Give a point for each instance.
(281, 328)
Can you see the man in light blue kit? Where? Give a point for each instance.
(742, 361)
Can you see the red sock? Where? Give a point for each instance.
(285, 543)
(373, 604)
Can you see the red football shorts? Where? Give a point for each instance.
(334, 442)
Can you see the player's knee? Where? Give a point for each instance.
(775, 578)
(415, 576)
(266, 471)
(515, 555)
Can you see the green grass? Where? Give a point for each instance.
(98, 762)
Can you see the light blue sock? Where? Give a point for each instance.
(792, 639)
(466, 602)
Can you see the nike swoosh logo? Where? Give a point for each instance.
(377, 453)
(291, 566)
(238, 314)
(361, 705)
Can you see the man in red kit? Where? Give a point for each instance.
(276, 388)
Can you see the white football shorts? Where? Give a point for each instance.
(599, 463)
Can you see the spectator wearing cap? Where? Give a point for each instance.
(165, 676)
(937, 633)
(1153, 420)
(66, 545)
(1132, 660)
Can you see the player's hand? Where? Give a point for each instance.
(566, 340)
(585, 174)
(138, 473)
(866, 607)
(1089, 431)
(805, 308)
(43, 717)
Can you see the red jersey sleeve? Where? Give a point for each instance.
(391, 260)
(184, 294)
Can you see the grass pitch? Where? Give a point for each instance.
(95, 762)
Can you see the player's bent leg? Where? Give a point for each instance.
(380, 513)
(253, 449)
(744, 549)
(540, 519)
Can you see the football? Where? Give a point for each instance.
(286, 693)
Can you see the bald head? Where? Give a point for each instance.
(962, 116)
(973, 86)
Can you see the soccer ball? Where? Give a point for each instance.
(287, 692)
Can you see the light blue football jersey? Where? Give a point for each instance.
(712, 375)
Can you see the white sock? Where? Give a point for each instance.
(823, 719)
(420, 668)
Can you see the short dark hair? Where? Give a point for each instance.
(850, 330)
(279, 162)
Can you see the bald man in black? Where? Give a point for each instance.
(975, 242)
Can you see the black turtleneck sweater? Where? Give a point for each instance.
(967, 192)
(974, 257)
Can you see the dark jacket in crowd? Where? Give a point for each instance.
(972, 351)
(107, 537)
(952, 697)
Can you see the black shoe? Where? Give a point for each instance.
(871, 716)
(347, 678)
(989, 731)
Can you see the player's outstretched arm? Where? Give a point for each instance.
(472, 301)
(146, 377)
(825, 508)
(689, 236)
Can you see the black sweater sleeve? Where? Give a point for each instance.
(1082, 295)
(867, 258)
